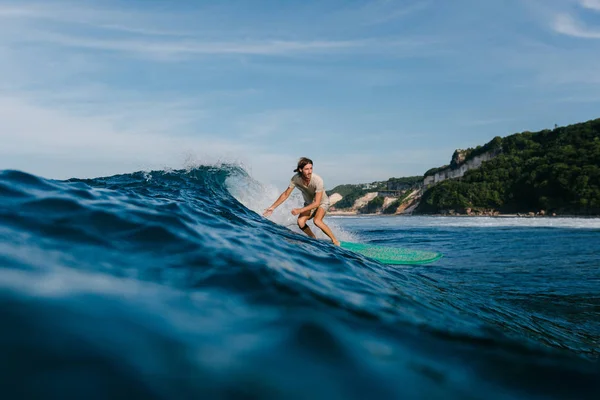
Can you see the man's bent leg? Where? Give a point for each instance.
(302, 224)
(319, 222)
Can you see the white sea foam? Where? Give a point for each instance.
(466, 222)
(257, 197)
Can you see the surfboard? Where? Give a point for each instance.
(392, 255)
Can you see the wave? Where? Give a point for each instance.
(171, 284)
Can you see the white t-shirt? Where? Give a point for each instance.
(309, 191)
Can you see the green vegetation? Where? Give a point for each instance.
(393, 206)
(404, 183)
(345, 190)
(372, 206)
(494, 145)
(553, 170)
(351, 193)
(348, 200)
(434, 171)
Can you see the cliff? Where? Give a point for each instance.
(529, 173)
(384, 202)
(375, 197)
(461, 167)
(547, 172)
(402, 195)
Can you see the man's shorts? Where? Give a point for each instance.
(314, 210)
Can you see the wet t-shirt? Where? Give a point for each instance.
(309, 191)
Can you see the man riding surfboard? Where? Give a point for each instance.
(316, 201)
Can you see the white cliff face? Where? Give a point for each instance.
(405, 207)
(450, 173)
(411, 201)
(334, 198)
(387, 201)
(361, 202)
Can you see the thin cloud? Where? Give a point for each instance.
(15, 12)
(165, 49)
(141, 23)
(140, 34)
(591, 4)
(28, 131)
(567, 25)
(191, 47)
(580, 99)
(385, 11)
(91, 87)
(272, 123)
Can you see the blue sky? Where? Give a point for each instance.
(368, 89)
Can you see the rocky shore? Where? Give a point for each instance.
(410, 203)
(343, 213)
(340, 213)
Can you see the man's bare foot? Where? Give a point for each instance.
(337, 243)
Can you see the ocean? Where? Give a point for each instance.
(171, 285)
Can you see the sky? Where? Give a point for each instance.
(368, 90)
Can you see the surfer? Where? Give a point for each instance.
(316, 201)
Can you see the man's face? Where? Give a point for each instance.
(307, 171)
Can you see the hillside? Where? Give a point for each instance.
(379, 196)
(555, 171)
(352, 192)
(550, 171)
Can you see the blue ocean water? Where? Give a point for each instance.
(170, 284)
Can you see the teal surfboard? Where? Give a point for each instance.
(392, 255)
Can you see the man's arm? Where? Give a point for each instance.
(316, 202)
(282, 197)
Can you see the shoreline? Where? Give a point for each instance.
(356, 214)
